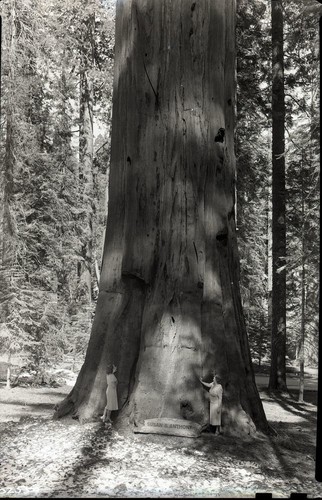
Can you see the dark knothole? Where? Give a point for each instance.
(220, 135)
(222, 238)
(173, 320)
(186, 409)
(128, 159)
(193, 6)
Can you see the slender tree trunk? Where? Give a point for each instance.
(269, 257)
(302, 339)
(277, 380)
(74, 353)
(97, 273)
(261, 338)
(303, 284)
(86, 155)
(169, 308)
(63, 151)
(8, 382)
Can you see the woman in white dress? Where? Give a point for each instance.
(215, 396)
(111, 393)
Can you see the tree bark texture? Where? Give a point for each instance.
(169, 308)
(86, 150)
(269, 256)
(303, 285)
(62, 145)
(277, 380)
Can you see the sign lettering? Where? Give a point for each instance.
(170, 426)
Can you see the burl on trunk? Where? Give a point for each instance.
(169, 308)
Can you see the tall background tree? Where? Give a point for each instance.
(277, 379)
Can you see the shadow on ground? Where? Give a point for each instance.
(92, 455)
(291, 405)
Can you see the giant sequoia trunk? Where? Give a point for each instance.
(169, 308)
(277, 380)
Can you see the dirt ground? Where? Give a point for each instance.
(45, 458)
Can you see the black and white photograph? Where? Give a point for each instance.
(160, 249)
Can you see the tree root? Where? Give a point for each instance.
(66, 407)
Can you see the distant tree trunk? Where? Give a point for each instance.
(169, 308)
(74, 354)
(303, 284)
(8, 382)
(8, 231)
(261, 337)
(269, 257)
(97, 272)
(63, 153)
(86, 154)
(106, 204)
(277, 380)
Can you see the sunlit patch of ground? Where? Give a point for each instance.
(45, 458)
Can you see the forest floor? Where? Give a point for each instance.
(45, 458)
